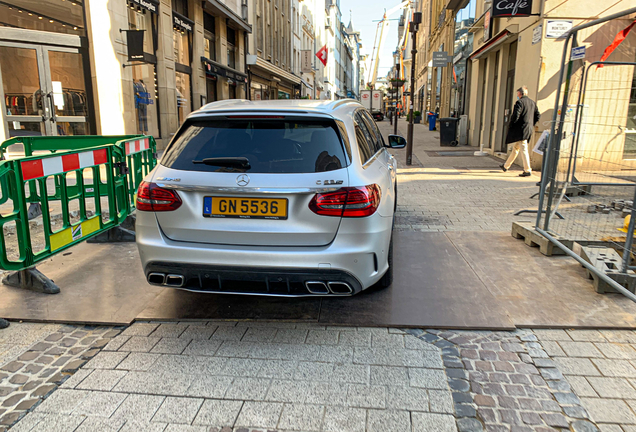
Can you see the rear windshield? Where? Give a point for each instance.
(271, 146)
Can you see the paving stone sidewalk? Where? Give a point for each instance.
(239, 376)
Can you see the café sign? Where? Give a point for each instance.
(511, 8)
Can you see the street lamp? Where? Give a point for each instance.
(396, 89)
(417, 19)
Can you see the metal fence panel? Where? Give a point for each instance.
(589, 182)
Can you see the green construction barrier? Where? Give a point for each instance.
(100, 172)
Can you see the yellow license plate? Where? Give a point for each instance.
(246, 208)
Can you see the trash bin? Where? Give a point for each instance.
(448, 132)
(432, 117)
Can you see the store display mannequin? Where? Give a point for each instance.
(141, 104)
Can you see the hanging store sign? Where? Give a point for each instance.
(135, 42)
(182, 23)
(151, 5)
(512, 8)
(554, 29)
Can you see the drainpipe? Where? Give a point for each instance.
(248, 85)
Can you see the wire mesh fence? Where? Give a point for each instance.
(589, 181)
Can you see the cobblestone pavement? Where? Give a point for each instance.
(36, 358)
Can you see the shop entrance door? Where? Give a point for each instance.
(510, 94)
(43, 90)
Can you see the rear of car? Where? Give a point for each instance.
(254, 203)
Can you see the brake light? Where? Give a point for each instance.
(347, 202)
(151, 197)
(255, 117)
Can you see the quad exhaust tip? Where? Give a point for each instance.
(156, 278)
(336, 287)
(171, 280)
(317, 287)
(340, 288)
(175, 280)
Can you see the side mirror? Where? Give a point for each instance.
(397, 141)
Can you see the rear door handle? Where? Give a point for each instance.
(390, 167)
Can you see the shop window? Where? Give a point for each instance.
(259, 91)
(209, 35)
(140, 19)
(144, 75)
(144, 78)
(181, 47)
(182, 38)
(183, 96)
(231, 48)
(51, 16)
(283, 95)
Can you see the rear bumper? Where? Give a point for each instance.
(256, 281)
(357, 256)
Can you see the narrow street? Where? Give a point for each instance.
(239, 376)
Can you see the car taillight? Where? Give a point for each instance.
(151, 197)
(347, 202)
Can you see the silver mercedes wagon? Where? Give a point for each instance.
(280, 198)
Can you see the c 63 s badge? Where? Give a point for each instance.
(330, 182)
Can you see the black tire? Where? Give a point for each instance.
(387, 279)
(395, 202)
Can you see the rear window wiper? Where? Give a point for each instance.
(238, 162)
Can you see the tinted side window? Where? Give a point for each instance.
(373, 128)
(373, 145)
(363, 143)
(345, 137)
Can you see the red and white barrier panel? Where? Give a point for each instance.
(56, 165)
(137, 145)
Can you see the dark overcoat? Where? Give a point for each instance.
(524, 117)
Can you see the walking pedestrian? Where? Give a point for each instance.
(4, 323)
(524, 117)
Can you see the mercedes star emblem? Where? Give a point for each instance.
(243, 180)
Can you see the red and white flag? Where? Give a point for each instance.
(323, 54)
